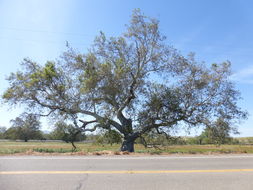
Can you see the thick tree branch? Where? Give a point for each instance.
(71, 111)
(85, 123)
(131, 94)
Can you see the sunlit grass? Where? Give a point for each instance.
(82, 148)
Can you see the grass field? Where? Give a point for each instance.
(34, 148)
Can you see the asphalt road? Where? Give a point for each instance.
(126, 172)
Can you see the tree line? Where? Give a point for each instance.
(27, 127)
(23, 130)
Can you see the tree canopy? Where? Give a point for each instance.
(24, 127)
(133, 83)
(218, 133)
(67, 133)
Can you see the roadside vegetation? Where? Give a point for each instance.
(61, 139)
(60, 148)
(98, 145)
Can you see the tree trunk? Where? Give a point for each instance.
(128, 144)
(73, 146)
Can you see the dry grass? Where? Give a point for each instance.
(56, 148)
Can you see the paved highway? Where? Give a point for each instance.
(126, 172)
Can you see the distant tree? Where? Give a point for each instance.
(133, 84)
(2, 132)
(203, 138)
(11, 133)
(25, 127)
(112, 136)
(45, 135)
(67, 133)
(219, 132)
(109, 137)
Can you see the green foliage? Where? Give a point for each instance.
(2, 132)
(66, 132)
(154, 139)
(111, 137)
(24, 127)
(12, 133)
(218, 133)
(48, 150)
(244, 140)
(108, 137)
(47, 73)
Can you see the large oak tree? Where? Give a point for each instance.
(134, 83)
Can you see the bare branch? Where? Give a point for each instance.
(45, 115)
(85, 123)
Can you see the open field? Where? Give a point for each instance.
(94, 149)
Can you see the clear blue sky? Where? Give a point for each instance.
(216, 30)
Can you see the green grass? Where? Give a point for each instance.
(7, 148)
(52, 147)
